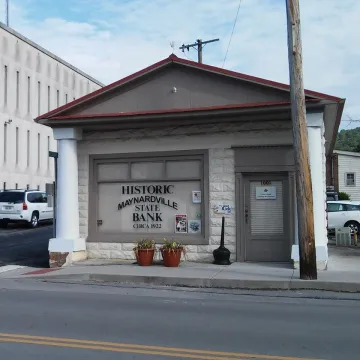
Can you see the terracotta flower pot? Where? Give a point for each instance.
(144, 257)
(171, 257)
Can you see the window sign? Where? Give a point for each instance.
(196, 197)
(159, 195)
(265, 192)
(147, 207)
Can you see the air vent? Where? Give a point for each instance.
(343, 236)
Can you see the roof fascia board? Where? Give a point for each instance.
(206, 114)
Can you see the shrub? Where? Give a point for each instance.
(344, 196)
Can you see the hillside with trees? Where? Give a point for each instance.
(348, 140)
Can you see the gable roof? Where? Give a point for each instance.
(188, 63)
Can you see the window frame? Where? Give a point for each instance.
(346, 179)
(129, 237)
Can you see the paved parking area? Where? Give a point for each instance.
(20, 245)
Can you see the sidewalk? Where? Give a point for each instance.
(343, 274)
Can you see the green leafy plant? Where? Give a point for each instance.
(172, 245)
(343, 196)
(144, 244)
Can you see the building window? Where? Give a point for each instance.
(17, 146)
(39, 98)
(57, 98)
(159, 196)
(350, 179)
(49, 98)
(17, 89)
(28, 149)
(28, 94)
(5, 84)
(38, 151)
(5, 142)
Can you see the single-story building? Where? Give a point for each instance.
(343, 173)
(169, 150)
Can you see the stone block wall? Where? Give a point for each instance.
(222, 191)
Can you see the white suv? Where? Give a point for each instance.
(24, 206)
(343, 214)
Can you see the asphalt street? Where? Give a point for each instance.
(20, 245)
(53, 320)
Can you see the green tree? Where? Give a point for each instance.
(348, 140)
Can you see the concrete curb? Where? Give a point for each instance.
(234, 284)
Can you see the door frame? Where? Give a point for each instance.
(240, 179)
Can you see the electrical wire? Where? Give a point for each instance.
(232, 32)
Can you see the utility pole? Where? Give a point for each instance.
(307, 253)
(199, 45)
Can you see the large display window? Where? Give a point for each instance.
(155, 197)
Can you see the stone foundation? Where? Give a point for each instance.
(114, 251)
(57, 259)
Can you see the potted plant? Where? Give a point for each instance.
(171, 253)
(144, 252)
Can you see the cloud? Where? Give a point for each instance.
(110, 39)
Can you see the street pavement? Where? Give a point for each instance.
(20, 245)
(64, 321)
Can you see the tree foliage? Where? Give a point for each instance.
(348, 140)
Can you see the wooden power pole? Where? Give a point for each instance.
(199, 45)
(307, 252)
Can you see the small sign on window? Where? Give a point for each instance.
(266, 193)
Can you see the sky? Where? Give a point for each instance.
(109, 39)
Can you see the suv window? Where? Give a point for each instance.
(44, 197)
(15, 197)
(35, 197)
(333, 207)
(351, 207)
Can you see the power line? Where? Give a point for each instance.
(232, 32)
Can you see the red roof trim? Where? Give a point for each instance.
(173, 58)
(176, 111)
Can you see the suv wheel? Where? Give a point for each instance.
(34, 222)
(354, 226)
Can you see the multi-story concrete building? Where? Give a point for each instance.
(33, 81)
